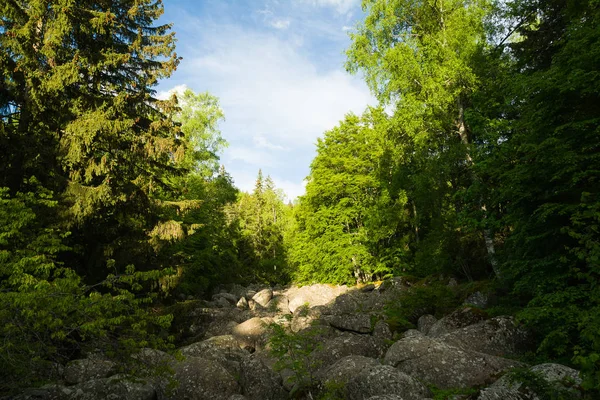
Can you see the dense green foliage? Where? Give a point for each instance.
(263, 221)
(484, 165)
(84, 148)
(482, 161)
(348, 225)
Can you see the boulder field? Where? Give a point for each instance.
(340, 346)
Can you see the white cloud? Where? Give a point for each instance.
(341, 6)
(265, 85)
(262, 142)
(292, 189)
(279, 23)
(274, 99)
(346, 28)
(254, 157)
(166, 94)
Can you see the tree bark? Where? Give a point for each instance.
(487, 233)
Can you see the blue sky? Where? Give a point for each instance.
(278, 69)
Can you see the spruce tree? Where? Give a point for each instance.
(85, 149)
(78, 113)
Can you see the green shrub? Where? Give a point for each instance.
(423, 298)
(534, 385)
(294, 352)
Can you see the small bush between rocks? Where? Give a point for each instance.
(293, 352)
(534, 383)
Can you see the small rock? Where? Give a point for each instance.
(368, 288)
(477, 299)
(222, 302)
(263, 297)
(242, 303)
(227, 296)
(425, 323)
(412, 333)
(382, 330)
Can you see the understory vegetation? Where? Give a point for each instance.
(481, 163)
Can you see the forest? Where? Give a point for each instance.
(481, 162)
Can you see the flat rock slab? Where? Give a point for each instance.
(457, 319)
(78, 371)
(385, 380)
(499, 336)
(348, 344)
(313, 295)
(445, 366)
(203, 379)
(359, 323)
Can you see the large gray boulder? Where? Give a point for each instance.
(385, 380)
(313, 295)
(499, 336)
(115, 387)
(203, 323)
(203, 379)
(307, 318)
(559, 378)
(260, 382)
(78, 371)
(223, 349)
(279, 304)
(457, 319)
(435, 362)
(252, 333)
(347, 344)
(344, 370)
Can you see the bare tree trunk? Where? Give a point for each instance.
(487, 233)
(416, 222)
